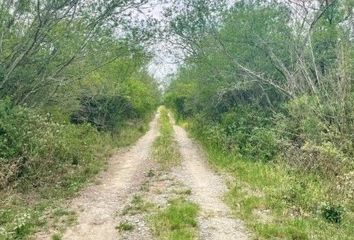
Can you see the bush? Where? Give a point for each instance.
(332, 213)
(310, 140)
(36, 151)
(243, 130)
(262, 144)
(302, 121)
(324, 159)
(106, 113)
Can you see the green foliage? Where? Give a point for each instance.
(242, 88)
(311, 138)
(142, 91)
(42, 56)
(60, 59)
(116, 94)
(250, 72)
(39, 151)
(125, 226)
(179, 96)
(242, 131)
(46, 161)
(103, 112)
(277, 201)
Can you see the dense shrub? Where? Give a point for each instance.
(324, 159)
(106, 113)
(311, 140)
(36, 151)
(300, 122)
(244, 131)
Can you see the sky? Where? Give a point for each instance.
(164, 63)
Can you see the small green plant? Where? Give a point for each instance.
(125, 226)
(150, 173)
(332, 213)
(56, 237)
(183, 191)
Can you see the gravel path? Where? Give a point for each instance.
(215, 221)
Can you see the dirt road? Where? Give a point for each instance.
(98, 206)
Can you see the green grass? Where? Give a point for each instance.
(165, 151)
(277, 202)
(176, 222)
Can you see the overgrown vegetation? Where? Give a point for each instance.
(165, 151)
(177, 221)
(267, 88)
(70, 92)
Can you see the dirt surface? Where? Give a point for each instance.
(215, 221)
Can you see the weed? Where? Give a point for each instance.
(150, 173)
(137, 205)
(183, 191)
(332, 213)
(56, 237)
(145, 186)
(125, 226)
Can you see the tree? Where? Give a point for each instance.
(41, 39)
